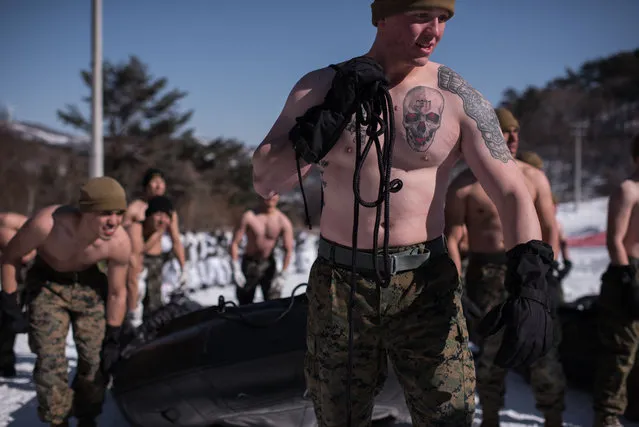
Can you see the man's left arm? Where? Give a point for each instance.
(178, 248)
(288, 238)
(524, 317)
(487, 155)
(545, 208)
(118, 264)
(118, 268)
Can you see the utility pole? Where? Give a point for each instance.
(579, 131)
(96, 167)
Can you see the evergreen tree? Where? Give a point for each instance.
(133, 103)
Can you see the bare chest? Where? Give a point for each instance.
(62, 251)
(480, 206)
(266, 226)
(424, 132)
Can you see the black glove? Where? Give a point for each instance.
(128, 329)
(625, 276)
(110, 349)
(563, 272)
(318, 130)
(12, 317)
(525, 316)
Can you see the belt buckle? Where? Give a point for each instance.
(393, 265)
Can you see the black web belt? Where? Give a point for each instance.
(400, 261)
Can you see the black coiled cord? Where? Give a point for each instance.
(239, 317)
(371, 114)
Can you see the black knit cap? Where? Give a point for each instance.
(159, 204)
(150, 174)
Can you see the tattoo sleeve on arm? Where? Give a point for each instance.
(478, 109)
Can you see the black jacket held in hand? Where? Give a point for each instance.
(525, 317)
(317, 131)
(110, 353)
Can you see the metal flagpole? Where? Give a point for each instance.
(96, 167)
(579, 134)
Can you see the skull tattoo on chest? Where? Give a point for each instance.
(422, 116)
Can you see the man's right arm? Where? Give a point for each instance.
(455, 218)
(619, 212)
(488, 156)
(32, 234)
(274, 164)
(563, 243)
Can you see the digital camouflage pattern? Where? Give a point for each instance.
(52, 308)
(153, 294)
(417, 321)
(258, 272)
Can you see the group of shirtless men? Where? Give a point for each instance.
(500, 211)
(79, 265)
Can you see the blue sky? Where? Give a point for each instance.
(239, 59)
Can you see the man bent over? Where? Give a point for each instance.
(66, 287)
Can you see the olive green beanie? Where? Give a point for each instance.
(506, 119)
(102, 194)
(384, 8)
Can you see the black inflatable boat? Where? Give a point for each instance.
(226, 366)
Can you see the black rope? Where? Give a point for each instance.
(239, 317)
(371, 114)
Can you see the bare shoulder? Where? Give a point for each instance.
(465, 95)
(46, 217)
(628, 191)
(476, 115)
(6, 234)
(536, 176)
(309, 91)
(12, 220)
(248, 214)
(285, 220)
(120, 246)
(247, 218)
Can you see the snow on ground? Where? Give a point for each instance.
(17, 396)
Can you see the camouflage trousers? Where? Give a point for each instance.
(53, 305)
(153, 294)
(257, 272)
(416, 322)
(485, 276)
(619, 339)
